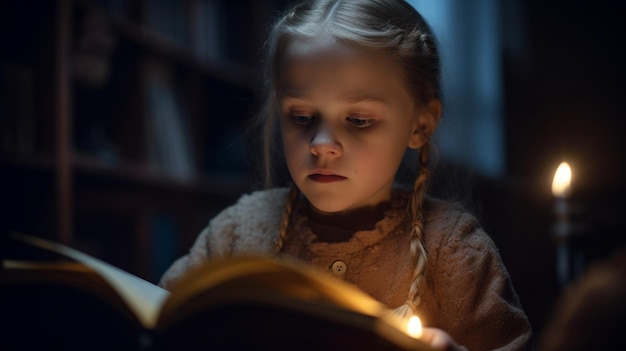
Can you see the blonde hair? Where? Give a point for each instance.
(390, 26)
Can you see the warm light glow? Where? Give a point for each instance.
(414, 327)
(562, 180)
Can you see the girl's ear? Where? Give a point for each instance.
(425, 123)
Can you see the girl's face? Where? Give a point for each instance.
(347, 118)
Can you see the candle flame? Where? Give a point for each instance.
(562, 180)
(414, 327)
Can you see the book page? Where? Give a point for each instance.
(144, 298)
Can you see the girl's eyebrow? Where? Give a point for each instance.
(292, 93)
(354, 98)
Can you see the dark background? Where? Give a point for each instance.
(563, 96)
(562, 103)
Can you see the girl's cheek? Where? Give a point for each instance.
(294, 141)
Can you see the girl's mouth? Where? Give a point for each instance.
(326, 178)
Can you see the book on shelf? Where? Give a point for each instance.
(51, 294)
(206, 34)
(169, 147)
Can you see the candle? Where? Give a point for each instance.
(561, 183)
(561, 188)
(414, 327)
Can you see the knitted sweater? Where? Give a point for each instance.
(467, 291)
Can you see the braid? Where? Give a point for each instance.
(286, 216)
(418, 252)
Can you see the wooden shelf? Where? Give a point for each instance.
(220, 184)
(128, 174)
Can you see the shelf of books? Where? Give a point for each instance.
(125, 120)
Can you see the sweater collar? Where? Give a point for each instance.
(394, 216)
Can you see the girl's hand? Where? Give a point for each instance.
(440, 340)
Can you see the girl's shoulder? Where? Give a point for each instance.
(444, 220)
(448, 221)
(250, 224)
(439, 209)
(255, 208)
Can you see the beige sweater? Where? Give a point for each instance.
(467, 290)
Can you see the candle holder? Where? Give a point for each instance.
(568, 234)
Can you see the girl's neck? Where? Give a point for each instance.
(337, 227)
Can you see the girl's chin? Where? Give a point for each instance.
(337, 207)
(328, 208)
(327, 204)
(335, 203)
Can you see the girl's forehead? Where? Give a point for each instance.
(321, 45)
(326, 62)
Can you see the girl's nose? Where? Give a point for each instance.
(323, 144)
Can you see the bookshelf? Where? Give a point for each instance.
(123, 122)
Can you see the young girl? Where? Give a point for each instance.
(352, 85)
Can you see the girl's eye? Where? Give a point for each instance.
(360, 122)
(302, 120)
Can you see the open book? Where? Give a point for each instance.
(69, 300)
